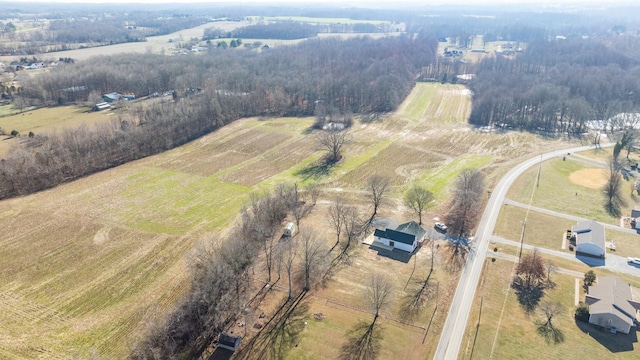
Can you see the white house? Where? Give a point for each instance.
(589, 237)
(611, 305)
(405, 237)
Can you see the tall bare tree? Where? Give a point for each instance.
(377, 188)
(378, 293)
(466, 206)
(314, 256)
(546, 327)
(332, 141)
(354, 226)
(613, 194)
(418, 198)
(336, 217)
(289, 254)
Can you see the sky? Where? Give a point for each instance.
(360, 3)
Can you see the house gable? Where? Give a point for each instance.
(612, 301)
(590, 238)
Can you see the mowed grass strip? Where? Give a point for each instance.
(517, 337)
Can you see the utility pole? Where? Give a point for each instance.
(524, 226)
(539, 170)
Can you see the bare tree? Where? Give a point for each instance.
(332, 141)
(313, 189)
(418, 198)
(336, 217)
(466, 206)
(378, 293)
(456, 251)
(289, 254)
(614, 199)
(377, 187)
(353, 226)
(314, 256)
(551, 268)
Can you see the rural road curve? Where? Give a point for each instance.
(454, 326)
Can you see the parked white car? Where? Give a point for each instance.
(634, 261)
(440, 226)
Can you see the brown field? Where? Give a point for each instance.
(86, 265)
(590, 178)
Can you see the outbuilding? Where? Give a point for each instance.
(229, 342)
(289, 230)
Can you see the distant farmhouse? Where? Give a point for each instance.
(589, 238)
(111, 97)
(406, 237)
(612, 305)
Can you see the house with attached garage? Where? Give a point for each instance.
(612, 304)
(406, 237)
(589, 238)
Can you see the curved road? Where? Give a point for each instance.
(454, 326)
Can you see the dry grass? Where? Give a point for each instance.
(516, 334)
(47, 120)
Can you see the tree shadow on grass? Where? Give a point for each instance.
(315, 170)
(528, 297)
(281, 333)
(363, 342)
(550, 333)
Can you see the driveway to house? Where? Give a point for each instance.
(453, 330)
(567, 216)
(612, 262)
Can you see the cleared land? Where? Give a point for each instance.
(87, 264)
(47, 120)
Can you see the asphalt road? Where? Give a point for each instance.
(453, 331)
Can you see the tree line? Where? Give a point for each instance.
(557, 86)
(354, 76)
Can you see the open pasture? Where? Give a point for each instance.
(46, 120)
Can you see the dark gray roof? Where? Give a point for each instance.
(394, 235)
(589, 232)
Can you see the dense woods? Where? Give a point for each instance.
(360, 75)
(557, 86)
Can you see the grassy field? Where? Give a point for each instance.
(515, 337)
(47, 120)
(86, 265)
(557, 192)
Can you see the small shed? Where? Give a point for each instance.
(101, 106)
(229, 342)
(289, 229)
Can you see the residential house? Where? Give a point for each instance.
(589, 238)
(405, 237)
(229, 342)
(612, 305)
(111, 97)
